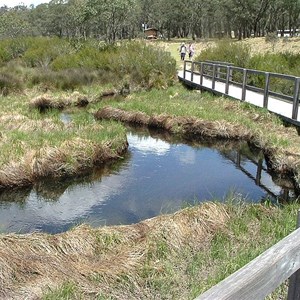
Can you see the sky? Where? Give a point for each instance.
(12, 3)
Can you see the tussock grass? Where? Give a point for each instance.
(188, 126)
(46, 102)
(102, 255)
(72, 156)
(175, 256)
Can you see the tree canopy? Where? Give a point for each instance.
(111, 20)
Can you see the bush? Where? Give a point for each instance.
(146, 65)
(283, 63)
(74, 63)
(272, 38)
(227, 51)
(87, 58)
(13, 48)
(9, 83)
(43, 51)
(64, 80)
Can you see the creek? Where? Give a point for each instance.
(158, 174)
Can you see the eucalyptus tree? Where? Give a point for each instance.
(77, 23)
(283, 15)
(113, 19)
(57, 17)
(292, 8)
(39, 19)
(14, 22)
(171, 17)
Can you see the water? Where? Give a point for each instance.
(154, 177)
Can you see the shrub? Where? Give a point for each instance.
(146, 65)
(272, 38)
(43, 51)
(283, 63)
(227, 51)
(9, 83)
(70, 64)
(64, 80)
(87, 57)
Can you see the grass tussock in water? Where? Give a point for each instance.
(175, 256)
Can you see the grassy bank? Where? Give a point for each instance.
(174, 256)
(35, 145)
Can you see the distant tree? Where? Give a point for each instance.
(112, 19)
(14, 22)
(77, 23)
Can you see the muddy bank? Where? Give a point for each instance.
(284, 163)
(96, 258)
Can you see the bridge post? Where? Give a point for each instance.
(266, 91)
(296, 99)
(184, 69)
(213, 82)
(218, 71)
(294, 287)
(244, 84)
(192, 71)
(201, 73)
(228, 78)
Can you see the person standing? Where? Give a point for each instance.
(183, 50)
(191, 51)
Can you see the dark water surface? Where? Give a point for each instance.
(155, 177)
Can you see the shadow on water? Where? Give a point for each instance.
(52, 190)
(159, 174)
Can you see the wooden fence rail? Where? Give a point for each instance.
(264, 274)
(279, 86)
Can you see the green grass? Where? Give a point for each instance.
(178, 101)
(67, 291)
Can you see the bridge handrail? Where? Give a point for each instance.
(264, 274)
(223, 63)
(216, 74)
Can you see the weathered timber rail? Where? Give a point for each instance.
(278, 93)
(264, 274)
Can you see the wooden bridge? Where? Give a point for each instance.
(278, 93)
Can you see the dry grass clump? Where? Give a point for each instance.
(23, 123)
(188, 126)
(98, 260)
(73, 157)
(15, 174)
(45, 102)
